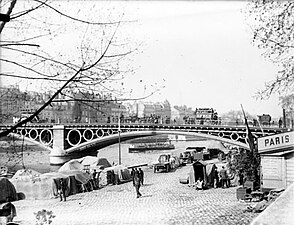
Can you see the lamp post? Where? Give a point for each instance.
(119, 147)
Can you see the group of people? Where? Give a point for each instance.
(95, 179)
(220, 179)
(138, 180)
(224, 178)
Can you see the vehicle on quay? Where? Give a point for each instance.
(193, 154)
(142, 147)
(199, 153)
(186, 157)
(165, 162)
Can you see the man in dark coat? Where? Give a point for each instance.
(94, 177)
(62, 189)
(224, 177)
(132, 175)
(141, 176)
(137, 183)
(215, 177)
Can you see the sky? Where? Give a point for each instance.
(200, 51)
(203, 51)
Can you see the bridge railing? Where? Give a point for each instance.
(205, 122)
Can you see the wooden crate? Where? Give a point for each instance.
(241, 192)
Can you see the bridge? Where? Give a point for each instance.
(69, 140)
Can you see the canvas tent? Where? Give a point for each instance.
(90, 163)
(88, 160)
(203, 170)
(73, 164)
(34, 185)
(115, 175)
(7, 190)
(80, 176)
(103, 162)
(45, 186)
(31, 185)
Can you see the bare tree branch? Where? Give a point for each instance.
(11, 7)
(28, 11)
(82, 68)
(75, 19)
(15, 44)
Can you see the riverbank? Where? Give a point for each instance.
(164, 201)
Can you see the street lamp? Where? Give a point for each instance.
(119, 147)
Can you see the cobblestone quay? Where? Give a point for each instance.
(165, 201)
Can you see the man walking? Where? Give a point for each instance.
(141, 176)
(132, 175)
(94, 175)
(62, 189)
(137, 183)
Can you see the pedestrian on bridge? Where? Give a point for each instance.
(280, 123)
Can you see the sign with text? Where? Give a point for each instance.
(275, 142)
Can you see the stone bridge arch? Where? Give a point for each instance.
(68, 140)
(114, 139)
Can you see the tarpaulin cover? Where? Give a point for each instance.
(103, 162)
(35, 185)
(7, 190)
(45, 186)
(88, 160)
(79, 175)
(26, 174)
(122, 172)
(73, 164)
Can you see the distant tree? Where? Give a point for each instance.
(287, 102)
(235, 115)
(272, 25)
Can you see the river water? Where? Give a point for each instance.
(33, 158)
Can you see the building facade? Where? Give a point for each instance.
(277, 160)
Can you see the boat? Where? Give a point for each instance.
(142, 147)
